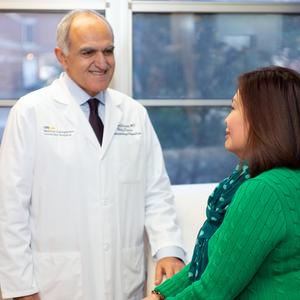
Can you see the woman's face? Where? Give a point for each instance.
(236, 128)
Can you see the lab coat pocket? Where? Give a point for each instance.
(59, 275)
(133, 272)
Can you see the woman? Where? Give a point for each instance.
(254, 253)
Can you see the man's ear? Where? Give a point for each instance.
(60, 57)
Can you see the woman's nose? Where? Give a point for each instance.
(226, 118)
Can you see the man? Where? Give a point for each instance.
(73, 204)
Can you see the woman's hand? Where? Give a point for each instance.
(152, 297)
(29, 297)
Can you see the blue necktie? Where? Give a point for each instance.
(95, 120)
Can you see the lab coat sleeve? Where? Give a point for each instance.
(160, 215)
(17, 154)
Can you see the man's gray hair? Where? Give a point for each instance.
(63, 28)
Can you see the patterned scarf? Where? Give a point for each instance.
(217, 205)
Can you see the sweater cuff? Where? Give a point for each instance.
(176, 284)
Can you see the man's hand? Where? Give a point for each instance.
(167, 266)
(29, 297)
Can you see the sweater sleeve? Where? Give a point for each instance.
(252, 227)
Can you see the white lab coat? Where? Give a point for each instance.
(72, 214)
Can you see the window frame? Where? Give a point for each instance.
(120, 14)
(53, 5)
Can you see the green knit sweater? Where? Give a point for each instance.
(255, 253)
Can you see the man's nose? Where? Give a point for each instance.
(101, 60)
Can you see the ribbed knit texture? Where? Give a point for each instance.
(255, 253)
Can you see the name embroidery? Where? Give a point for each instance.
(127, 129)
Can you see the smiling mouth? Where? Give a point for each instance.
(99, 73)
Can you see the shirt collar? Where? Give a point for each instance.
(78, 93)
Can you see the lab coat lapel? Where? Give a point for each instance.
(113, 115)
(73, 113)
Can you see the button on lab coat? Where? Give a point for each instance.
(72, 213)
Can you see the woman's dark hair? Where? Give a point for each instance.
(271, 102)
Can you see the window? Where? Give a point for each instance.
(178, 58)
(193, 141)
(185, 65)
(3, 117)
(199, 56)
(27, 52)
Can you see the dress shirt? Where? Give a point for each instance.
(81, 97)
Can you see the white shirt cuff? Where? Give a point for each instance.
(172, 251)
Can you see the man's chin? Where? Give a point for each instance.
(96, 90)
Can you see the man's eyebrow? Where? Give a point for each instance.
(110, 47)
(87, 49)
(91, 49)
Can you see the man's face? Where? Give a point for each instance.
(90, 61)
